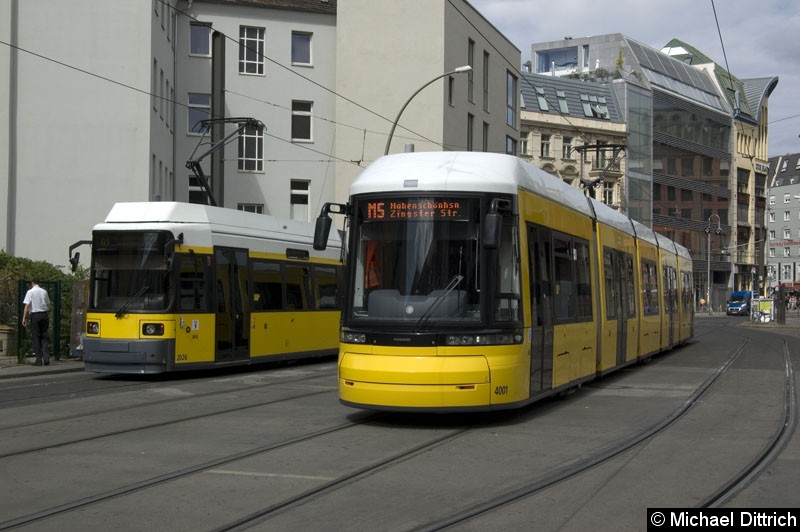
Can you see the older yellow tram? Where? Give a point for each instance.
(178, 286)
(476, 281)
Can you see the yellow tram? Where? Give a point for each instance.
(476, 281)
(178, 286)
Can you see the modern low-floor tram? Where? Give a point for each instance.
(476, 281)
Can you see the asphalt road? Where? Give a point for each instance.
(272, 448)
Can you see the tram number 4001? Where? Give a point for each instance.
(501, 390)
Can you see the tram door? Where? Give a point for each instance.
(670, 301)
(231, 271)
(540, 254)
(618, 271)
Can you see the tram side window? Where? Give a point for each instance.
(564, 296)
(649, 287)
(325, 288)
(686, 291)
(297, 287)
(628, 287)
(573, 290)
(267, 285)
(193, 274)
(507, 300)
(612, 294)
(583, 279)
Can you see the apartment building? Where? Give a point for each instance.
(783, 223)
(685, 135)
(103, 103)
(574, 131)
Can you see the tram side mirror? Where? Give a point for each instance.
(491, 230)
(74, 261)
(321, 232)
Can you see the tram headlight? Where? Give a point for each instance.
(92, 327)
(153, 329)
(484, 339)
(353, 338)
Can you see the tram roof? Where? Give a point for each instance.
(135, 215)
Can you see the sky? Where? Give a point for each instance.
(759, 38)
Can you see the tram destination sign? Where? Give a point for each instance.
(416, 209)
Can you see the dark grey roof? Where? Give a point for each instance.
(751, 92)
(756, 90)
(309, 6)
(576, 94)
(779, 177)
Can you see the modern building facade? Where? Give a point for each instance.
(85, 117)
(682, 146)
(783, 223)
(574, 131)
(82, 128)
(279, 68)
(387, 51)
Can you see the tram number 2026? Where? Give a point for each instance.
(501, 390)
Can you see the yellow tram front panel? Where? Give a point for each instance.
(129, 326)
(442, 377)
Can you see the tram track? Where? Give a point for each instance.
(177, 474)
(171, 400)
(776, 444)
(582, 465)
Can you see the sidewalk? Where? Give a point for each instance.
(10, 368)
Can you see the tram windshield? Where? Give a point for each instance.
(130, 271)
(417, 260)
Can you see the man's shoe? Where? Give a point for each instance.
(47, 363)
(37, 363)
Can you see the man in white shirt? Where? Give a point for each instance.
(37, 303)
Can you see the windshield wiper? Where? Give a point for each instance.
(124, 308)
(426, 316)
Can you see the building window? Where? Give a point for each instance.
(545, 148)
(485, 140)
(451, 83)
(511, 100)
(772, 217)
(301, 121)
(787, 234)
(251, 150)
(199, 108)
(486, 81)
(562, 102)
(251, 50)
(566, 148)
(772, 252)
(298, 200)
(301, 48)
(787, 198)
(470, 78)
(608, 193)
(511, 146)
(200, 40)
(541, 99)
(783, 166)
(772, 200)
(772, 234)
(787, 251)
(257, 208)
(786, 217)
(470, 127)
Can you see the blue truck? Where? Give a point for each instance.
(739, 303)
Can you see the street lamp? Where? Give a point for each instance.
(718, 231)
(459, 70)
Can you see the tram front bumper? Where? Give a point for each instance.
(402, 381)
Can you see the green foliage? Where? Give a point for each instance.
(16, 269)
